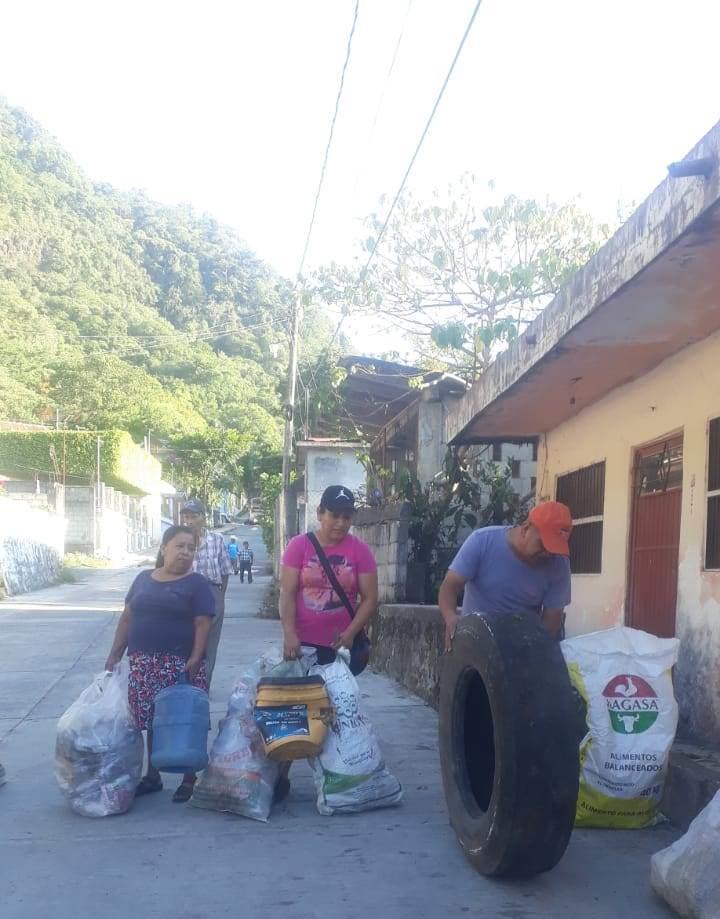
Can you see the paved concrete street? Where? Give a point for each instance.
(175, 861)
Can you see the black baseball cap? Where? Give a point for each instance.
(338, 499)
(193, 506)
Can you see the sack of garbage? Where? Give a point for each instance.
(687, 874)
(624, 677)
(98, 750)
(239, 779)
(350, 775)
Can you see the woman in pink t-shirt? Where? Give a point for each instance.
(311, 611)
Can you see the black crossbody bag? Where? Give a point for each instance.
(360, 651)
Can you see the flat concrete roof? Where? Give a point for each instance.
(650, 291)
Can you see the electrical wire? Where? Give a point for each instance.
(330, 137)
(413, 158)
(323, 168)
(175, 333)
(153, 343)
(381, 100)
(420, 142)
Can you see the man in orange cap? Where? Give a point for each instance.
(505, 569)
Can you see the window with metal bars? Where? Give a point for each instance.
(712, 534)
(584, 493)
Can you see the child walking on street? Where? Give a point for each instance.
(246, 562)
(232, 551)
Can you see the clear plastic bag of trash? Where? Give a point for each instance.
(350, 775)
(240, 779)
(687, 874)
(98, 749)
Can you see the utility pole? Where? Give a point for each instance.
(97, 469)
(289, 410)
(98, 499)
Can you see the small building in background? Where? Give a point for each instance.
(323, 461)
(415, 441)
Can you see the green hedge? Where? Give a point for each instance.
(123, 464)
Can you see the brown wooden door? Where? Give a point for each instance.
(655, 537)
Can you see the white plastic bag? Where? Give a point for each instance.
(98, 750)
(239, 779)
(687, 874)
(624, 676)
(350, 775)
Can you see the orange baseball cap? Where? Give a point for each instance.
(553, 521)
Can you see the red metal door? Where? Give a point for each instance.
(655, 537)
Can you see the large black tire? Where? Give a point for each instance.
(508, 744)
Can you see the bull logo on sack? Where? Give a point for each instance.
(632, 704)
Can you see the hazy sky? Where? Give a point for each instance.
(227, 104)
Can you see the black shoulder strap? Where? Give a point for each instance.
(327, 568)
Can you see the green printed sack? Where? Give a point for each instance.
(625, 678)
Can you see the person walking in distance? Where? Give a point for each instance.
(233, 551)
(246, 559)
(212, 561)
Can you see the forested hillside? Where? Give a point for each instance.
(121, 312)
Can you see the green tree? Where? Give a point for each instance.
(210, 461)
(109, 393)
(460, 277)
(125, 313)
(457, 498)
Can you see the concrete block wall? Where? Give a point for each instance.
(80, 518)
(385, 530)
(524, 482)
(121, 524)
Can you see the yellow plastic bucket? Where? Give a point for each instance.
(292, 714)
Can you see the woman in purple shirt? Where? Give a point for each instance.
(164, 628)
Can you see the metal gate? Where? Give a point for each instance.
(655, 537)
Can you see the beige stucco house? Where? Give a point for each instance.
(619, 381)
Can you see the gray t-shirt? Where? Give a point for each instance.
(498, 582)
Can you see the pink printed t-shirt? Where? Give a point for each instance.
(320, 614)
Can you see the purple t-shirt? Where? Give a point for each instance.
(319, 613)
(498, 582)
(163, 613)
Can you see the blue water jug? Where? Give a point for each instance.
(180, 728)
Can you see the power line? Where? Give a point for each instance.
(156, 342)
(413, 158)
(330, 137)
(381, 100)
(295, 324)
(173, 333)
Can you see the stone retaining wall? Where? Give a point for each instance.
(385, 530)
(408, 646)
(31, 546)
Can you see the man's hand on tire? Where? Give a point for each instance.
(451, 625)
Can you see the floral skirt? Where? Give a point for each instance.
(149, 673)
